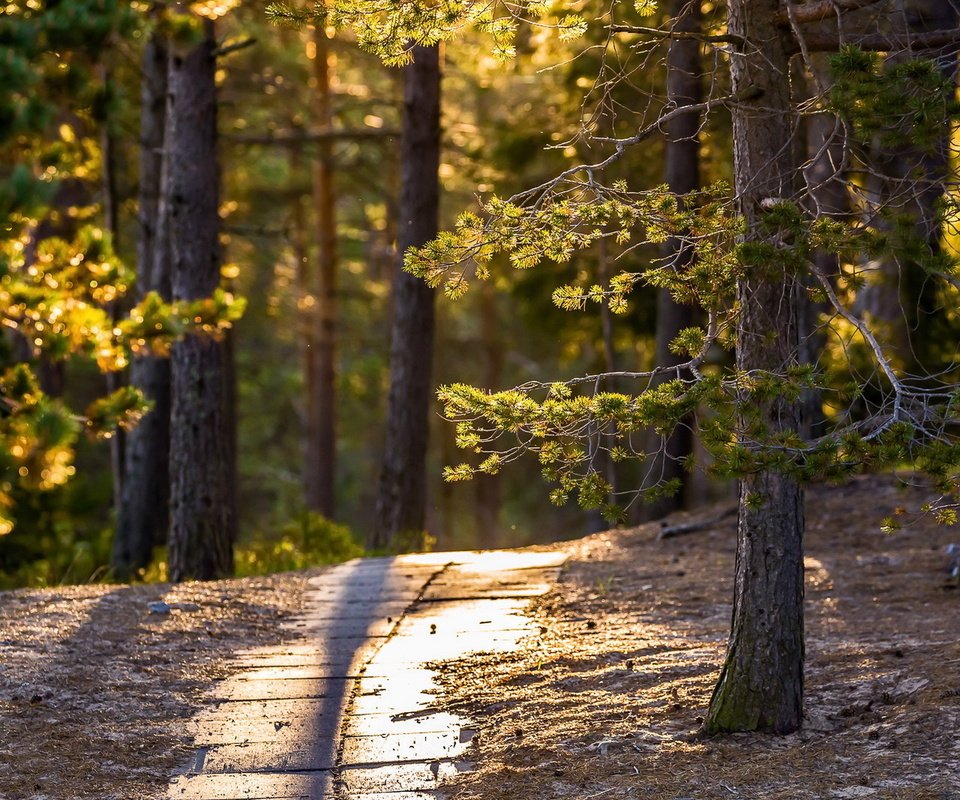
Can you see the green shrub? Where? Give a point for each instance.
(308, 541)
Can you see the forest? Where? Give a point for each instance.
(285, 284)
(302, 218)
(394, 286)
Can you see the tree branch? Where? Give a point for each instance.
(621, 146)
(817, 11)
(666, 33)
(817, 42)
(227, 49)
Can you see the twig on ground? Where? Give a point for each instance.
(671, 531)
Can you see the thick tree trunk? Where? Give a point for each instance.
(321, 379)
(684, 87)
(761, 685)
(201, 518)
(143, 515)
(401, 505)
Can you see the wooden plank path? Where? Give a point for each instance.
(349, 710)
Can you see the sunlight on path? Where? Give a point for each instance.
(350, 710)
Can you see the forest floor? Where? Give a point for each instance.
(607, 702)
(96, 691)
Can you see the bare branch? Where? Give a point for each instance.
(873, 344)
(621, 146)
(667, 33)
(227, 49)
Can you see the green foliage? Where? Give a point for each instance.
(903, 104)
(389, 30)
(61, 280)
(309, 541)
(556, 227)
(567, 429)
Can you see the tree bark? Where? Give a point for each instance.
(143, 514)
(321, 380)
(684, 88)
(761, 684)
(401, 504)
(201, 519)
(911, 181)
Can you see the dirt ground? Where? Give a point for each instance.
(95, 689)
(608, 701)
(605, 703)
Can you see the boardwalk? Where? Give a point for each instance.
(350, 710)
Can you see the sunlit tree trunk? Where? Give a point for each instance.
(761, 684)
(684, 87)
(201, 518)
(319, 476)
(401, 505)
(143, 515)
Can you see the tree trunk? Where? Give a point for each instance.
(908, 181)
(201, 519)
(602, 463)
(143, 515)
(401, 505)
(827, 190)
(111, 215)
(761, 684)
(684, 87)
(487, 492)
(321, 379)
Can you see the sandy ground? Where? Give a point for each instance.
(604, 703)
(608, 700)
(95, 689)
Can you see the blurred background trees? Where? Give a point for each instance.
(311, 211)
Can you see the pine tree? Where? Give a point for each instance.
(753, 269)
(402, 499)
(62, 280)
(682, 168)
(143, 515)
(202, 474)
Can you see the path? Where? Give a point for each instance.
(349, 711)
